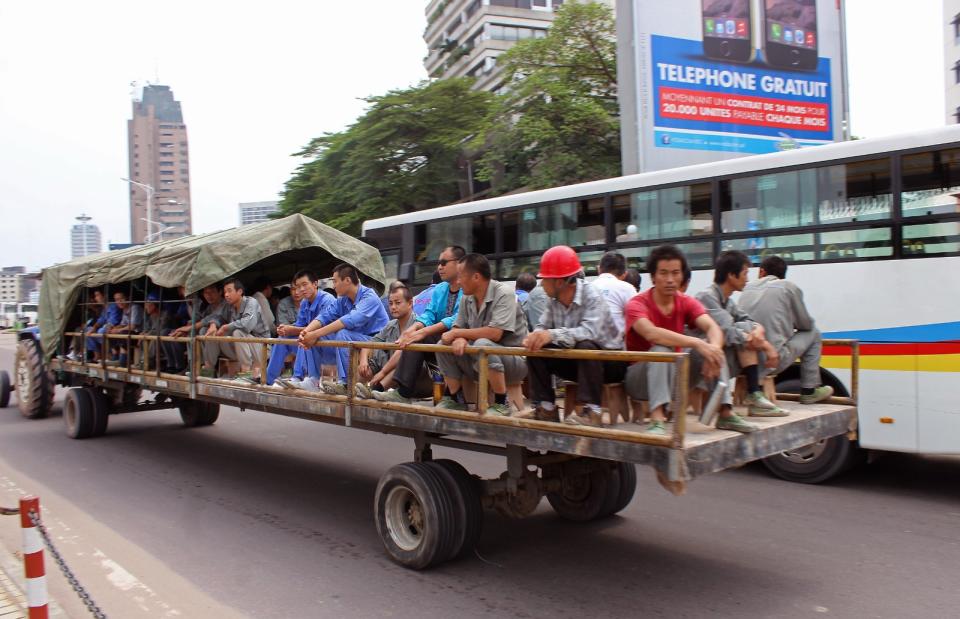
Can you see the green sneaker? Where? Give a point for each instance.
(819, 394)
(333, 387)
(735, 423)
(759, 406)
(390, 395)
(362, 391)
(498, 410)
(207, 373)
(656, 427)
(245, 378)
(448, 403)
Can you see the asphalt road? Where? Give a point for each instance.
(265, 516)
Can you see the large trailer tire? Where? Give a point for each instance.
(469, 487)
(195, 413)
(817, 462)
(34, 385)
(5, 389)
(627, 480)
(416, 516)
(78, 413)
(101, 410)
(458, 533)
(586, 497)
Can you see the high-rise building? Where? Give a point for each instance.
(464, 37)
(159, 167)
(85, 238)
(255, 212)
(951, 55)
(13, 288)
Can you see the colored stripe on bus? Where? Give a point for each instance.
(937, 332)
(896, 363)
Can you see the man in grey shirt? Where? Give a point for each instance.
(489, 316)
(241, 318)
(576, 316)
(778, 305)
(377, 366)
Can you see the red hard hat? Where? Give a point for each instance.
(558, 262)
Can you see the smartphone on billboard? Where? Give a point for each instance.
(728, 30)
(790, 36)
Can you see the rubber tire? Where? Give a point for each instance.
(37, 403)
(840, 454)
(5, 389)
(195, 413)
(592, 505)
(627, 476)
(78, 416)
(458, 533)
(470, 490)
(439, 531)
(101, 410)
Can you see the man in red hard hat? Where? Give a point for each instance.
(576, 316)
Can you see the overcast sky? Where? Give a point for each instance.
(258, 80)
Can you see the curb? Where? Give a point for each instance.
(13, 604)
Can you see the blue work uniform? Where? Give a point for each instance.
(308, 311)
(109, 317)
(362, 318)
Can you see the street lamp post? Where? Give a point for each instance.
(149, 191)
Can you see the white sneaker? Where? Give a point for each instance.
(310, 384)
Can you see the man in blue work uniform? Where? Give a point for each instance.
(356, 316)
(436, 318)
(314, 302)
(110, 316)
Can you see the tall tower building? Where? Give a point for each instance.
(951, 59)
(85, 238)
(159, 167)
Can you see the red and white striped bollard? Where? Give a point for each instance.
(33, 559)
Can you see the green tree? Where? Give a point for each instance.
(558, 121)
(403, 154)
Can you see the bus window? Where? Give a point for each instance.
(925, 239)
(673, 212)
(858, 191)
(385, 238)
(851, 244)
(431, 239)
(770, 201)
(699, 255)
(567, 223)
(791, 247)
(511, 267)
(931, 183)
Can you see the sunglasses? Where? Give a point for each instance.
(443, 263)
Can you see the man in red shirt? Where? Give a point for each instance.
(655, 321)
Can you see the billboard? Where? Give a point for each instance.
(704, 80)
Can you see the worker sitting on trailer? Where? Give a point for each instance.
(432, 321)
(209, 316)
(577, 316)
(241, 319)
(313, 302)
(377, 367)
(110, 316)
(155, 322)
(356, 316)
(656, 320)
(743, 338)
(131, 322)
(778, 305)
(489, 316)
(288, 306)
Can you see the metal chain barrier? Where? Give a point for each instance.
(67, 573)
(9, 511)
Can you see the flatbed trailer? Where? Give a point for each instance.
(430, 511)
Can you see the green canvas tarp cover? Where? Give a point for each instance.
(274, 249)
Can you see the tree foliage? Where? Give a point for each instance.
(558, 121)
(403, 154)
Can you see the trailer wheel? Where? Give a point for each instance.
(585, 497)
(78, 415)
(815, 463)
(195, 413)
(626, 476)
(101, 410)
(415, 516)
(34, 385)
(5, 389)
(469, 487)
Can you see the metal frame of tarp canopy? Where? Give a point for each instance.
(274, 249)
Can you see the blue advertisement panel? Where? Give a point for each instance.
(703, 104)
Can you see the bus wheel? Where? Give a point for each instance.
(469, 488)
(416, 516)
(195, 413)
(32, 382)
(586, 496)
(78, 413)
(5, 389)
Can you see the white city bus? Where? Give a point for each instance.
(870, 229)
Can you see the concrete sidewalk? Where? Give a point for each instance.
(13, 605)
